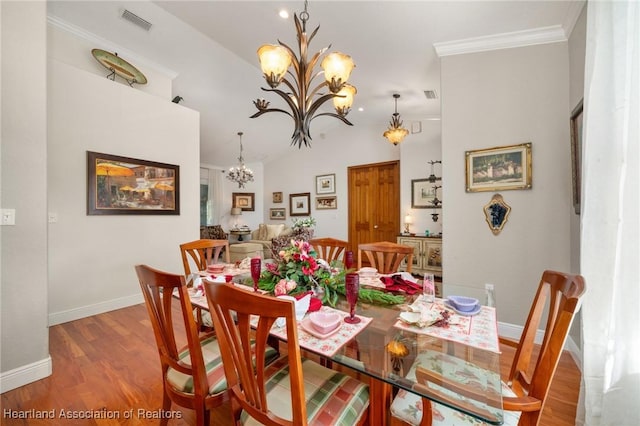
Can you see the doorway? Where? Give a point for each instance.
(374, 203)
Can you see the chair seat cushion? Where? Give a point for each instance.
(332, 398)
(213, 366)
(408, 406)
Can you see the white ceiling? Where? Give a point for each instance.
(211, 47)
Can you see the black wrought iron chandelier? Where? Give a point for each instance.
(240, 174)
(395, 133)
(303, 101)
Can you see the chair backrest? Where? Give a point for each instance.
(200, 253)
(561, 293)
(231, 309)
(329, 249)
(160, 289)
(385, 256)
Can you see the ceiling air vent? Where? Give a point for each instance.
(431, 94)
(132, 17)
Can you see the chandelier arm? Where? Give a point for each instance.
(317, 88)
(264, 111)
(334, 115)
(318, 102)
(285, 96)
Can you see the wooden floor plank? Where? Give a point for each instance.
(109, 363)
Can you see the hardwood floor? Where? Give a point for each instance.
(107, 366)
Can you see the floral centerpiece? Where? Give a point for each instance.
(297, 270)
(307, 222)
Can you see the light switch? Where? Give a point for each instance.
(8, 216)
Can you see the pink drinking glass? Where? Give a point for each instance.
(256, 266)
(348, 259)
(352, 287)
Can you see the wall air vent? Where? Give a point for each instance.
(132, 17)
(431, 94)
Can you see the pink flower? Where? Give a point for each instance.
(290, 285)
(280, 288)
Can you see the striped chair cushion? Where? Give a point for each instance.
(408, 406)
(332, 398)
(213, 365)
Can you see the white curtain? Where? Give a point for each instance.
(214, 194)
(610, 259)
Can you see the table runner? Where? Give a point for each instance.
(330, 345)
(479, 331)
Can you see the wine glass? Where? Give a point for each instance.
(352, 286)
(348, 259)
(256, 266)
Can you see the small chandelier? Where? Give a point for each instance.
(395, 133)
(304, 101)
(240, 174)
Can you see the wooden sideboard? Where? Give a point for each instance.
(427, 254)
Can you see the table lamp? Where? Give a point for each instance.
(236, 211)
(408, 220)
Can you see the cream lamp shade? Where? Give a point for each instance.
(236, 211)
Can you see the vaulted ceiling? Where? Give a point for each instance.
(210, 48)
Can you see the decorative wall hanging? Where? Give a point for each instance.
(496, 213)
(244, 200)
(299, 204)
(576, 155)
(119, 67)
(326, 184)
(277, 197)
(326, 203)
(424, 194)
(277, 214)
(500, 168)
(122, 185)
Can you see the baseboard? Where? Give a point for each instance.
(25, 374)
(98, 308)
(514, 332)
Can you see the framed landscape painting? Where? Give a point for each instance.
(121, 185)
(326, 203)
(424, 194)
(277, 214)
(326, 184)
(498, 169)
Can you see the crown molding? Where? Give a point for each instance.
(575, 9)
(552, 34)
(109, 46)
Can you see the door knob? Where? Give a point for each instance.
(375, 226)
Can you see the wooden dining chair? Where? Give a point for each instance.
(200, 253)
(526, 389)
(192, 376)
(385, 256)
(329, 249)
(291, 391)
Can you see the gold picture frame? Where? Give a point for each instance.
(499, 169)
(277, 197)
(244, 200)
(277, 214)
(496, 213)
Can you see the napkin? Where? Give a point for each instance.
(398, 283)
(314, 303)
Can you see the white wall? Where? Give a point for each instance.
(24, 334)
(502, 98)
(91, 258)
(340, 148)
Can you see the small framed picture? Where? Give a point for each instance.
(299, 204)
(424, 194)
(326, 203)
(277, 214)
(244, 200)
(326, 184)
(277, 197)
(499, 169)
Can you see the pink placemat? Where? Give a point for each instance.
(479, 331)
(330, 345)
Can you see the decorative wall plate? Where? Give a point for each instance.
(496, 213)
(119, 66)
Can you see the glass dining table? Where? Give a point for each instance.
(455, 362)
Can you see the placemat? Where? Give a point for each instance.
(330, 345)
(479, 331)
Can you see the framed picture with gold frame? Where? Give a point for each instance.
(244, 200)
(277, 214)
(499, 169)
(277, 197)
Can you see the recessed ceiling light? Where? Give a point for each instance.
(360, 109)
(284, 14)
